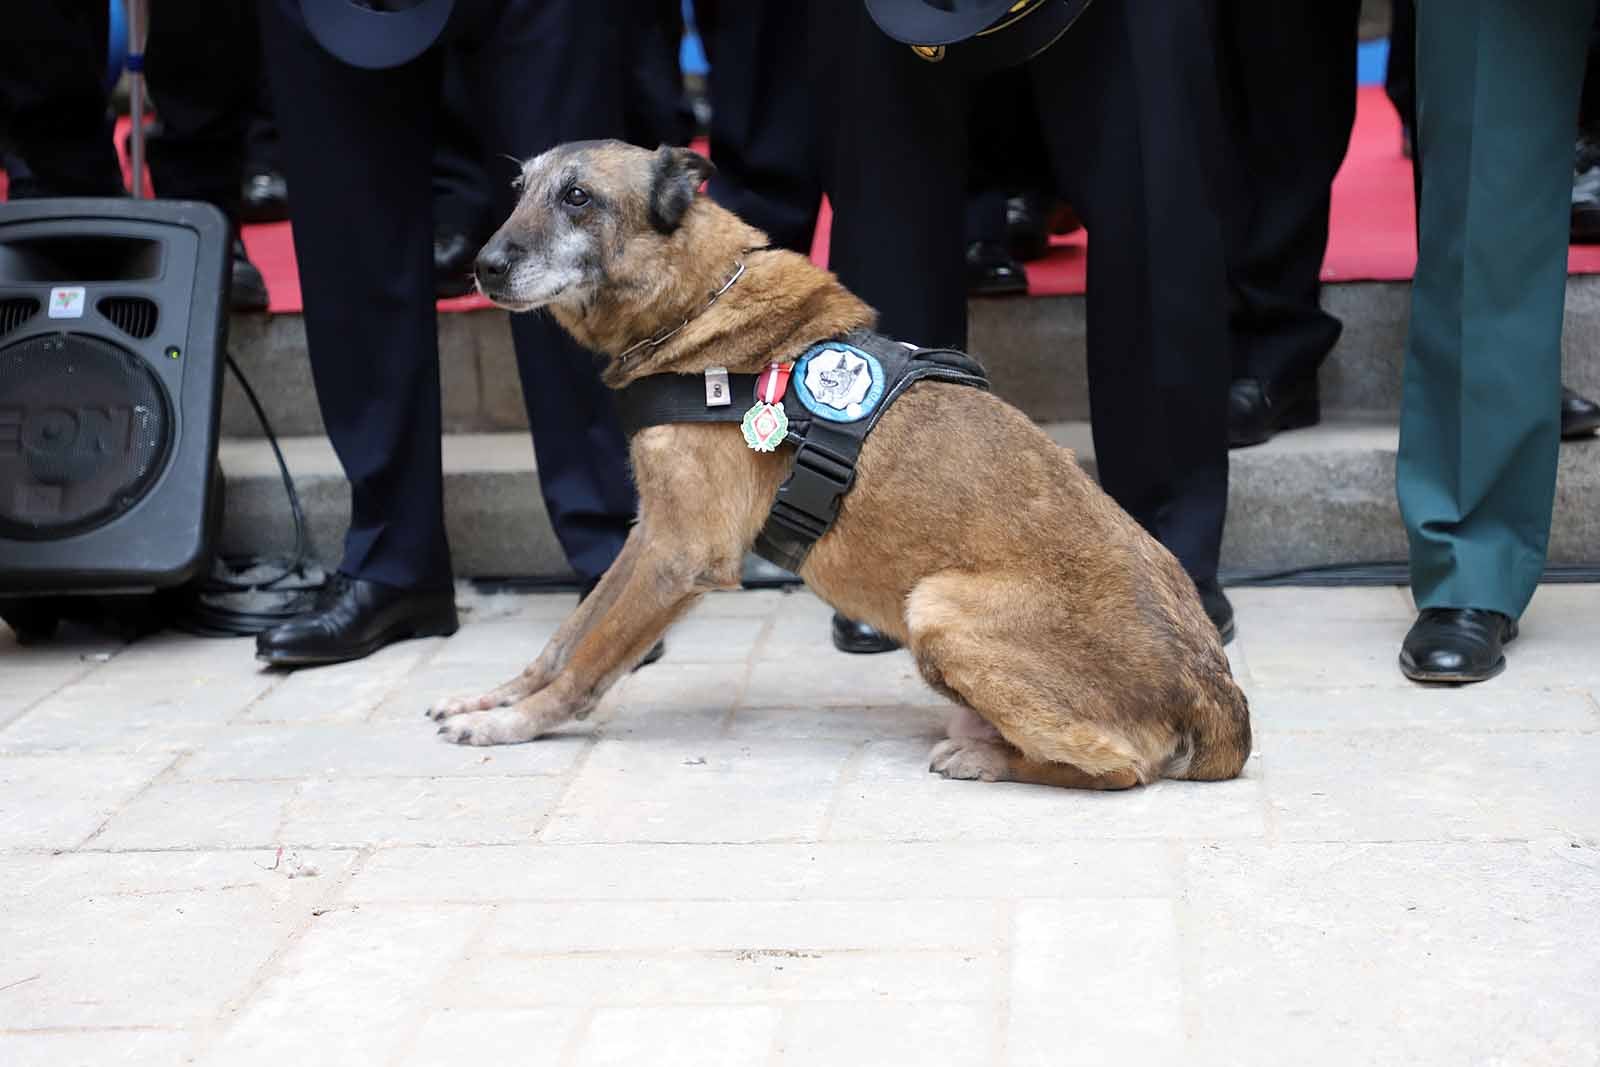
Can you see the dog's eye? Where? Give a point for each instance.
(575, 197)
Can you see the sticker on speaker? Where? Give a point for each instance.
(66, 302)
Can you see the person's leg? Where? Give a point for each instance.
(763, 116)
(653, 110)
(357, 147)
(462, 211)
(1289, 100)
(53, 100)
(1498, 86)
(544, 85)
(202, 62)
(1130, 104)
(896, 178)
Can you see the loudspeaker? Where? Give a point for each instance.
(113, 324)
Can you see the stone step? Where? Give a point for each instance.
(1034, 349)
(1313, 497)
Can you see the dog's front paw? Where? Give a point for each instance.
(506, 726)
(969, 759)
(463, 705)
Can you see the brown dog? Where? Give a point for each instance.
(1074, 644)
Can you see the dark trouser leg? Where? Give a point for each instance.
(1289, 101)
(897, 179)
(1130, 99)
(653, 100)
(539, 70)
(763, 116)
(52, 100)
(357, 147)
(202, 63)
(461, 195)
(1498, 86)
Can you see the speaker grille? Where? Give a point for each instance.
(16, 311)
(84, 433)
(134, 315)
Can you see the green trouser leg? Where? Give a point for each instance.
(1498, 84)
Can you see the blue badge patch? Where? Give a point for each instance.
(839, 382)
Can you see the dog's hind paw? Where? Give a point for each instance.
(969, 759)
(500, 727)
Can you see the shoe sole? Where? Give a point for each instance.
(415, 634)
(1453, 678)
(1227, 633)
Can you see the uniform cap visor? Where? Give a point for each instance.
(372, 39)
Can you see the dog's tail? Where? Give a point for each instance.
(1216, 741)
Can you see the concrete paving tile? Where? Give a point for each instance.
(700, 791)
(369, 750)
(803, 630)
(678, 1037)
(1560, 633)
(527, 1037)
(344, 692)
(832, 871)
(757, 603)
(683, 685)
(176, 655)
(200, 815)
(91, 874)
(96, 1048)
(837, 678)
(750, 978)
(550, 927)
(682, 724)
(1466, 709)
(164, 954)
(841, 723)
(158, 713)
(430, 683)
(1306, 651)
(345, 991)
(888, 1035)
(1090, 979)
(56, 800)
(1333, 954)
(893, 797)
(1263, 607)
(1429, 785)
(433, 811)
(506, 645)
(475, 606)
(24, 688)
(713, 639)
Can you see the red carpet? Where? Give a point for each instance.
(1371, 235)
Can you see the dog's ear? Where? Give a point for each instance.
(675, 176)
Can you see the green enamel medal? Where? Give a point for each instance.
(765, 427)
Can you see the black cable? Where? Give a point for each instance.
(236, 599)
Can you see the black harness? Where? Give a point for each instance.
(826, 440)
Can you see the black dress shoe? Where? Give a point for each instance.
(1456, 645)
(1027, 227)
(992, 272)
(352, 619)
(1257, 411)
(860, 639)
(657, 650)
(1580, 416)
(264, 197)
(247, 289)
(453, 253)
(1218, 609)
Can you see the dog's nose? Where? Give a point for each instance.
(495, 260)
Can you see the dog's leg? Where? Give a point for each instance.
(635, 611)
(1026, 717)
(557, 650)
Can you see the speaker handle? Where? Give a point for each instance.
(138, 30)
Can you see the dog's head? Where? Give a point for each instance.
(586, 211)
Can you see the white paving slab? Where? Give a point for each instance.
(741, 858)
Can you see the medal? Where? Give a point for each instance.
(766, 424)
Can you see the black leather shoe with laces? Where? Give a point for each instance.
(352, 619)
(1456, 645)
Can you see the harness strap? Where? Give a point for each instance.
(825, 450)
